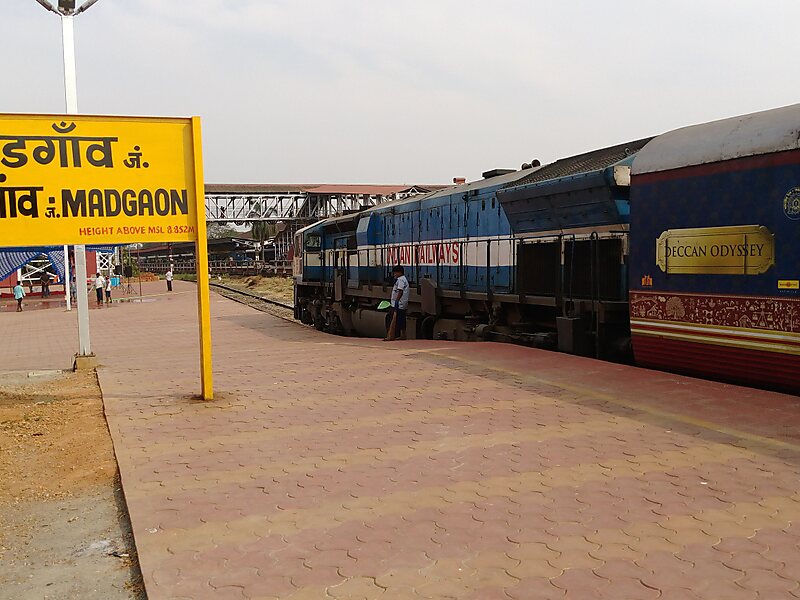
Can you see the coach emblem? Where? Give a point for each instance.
(791, 204)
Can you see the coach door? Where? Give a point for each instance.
(353, 263)
(340, 258)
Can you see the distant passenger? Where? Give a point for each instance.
(19, 294)
(168, 277)
(108, 290)
(399, 300)
(45, 280)
(99, 285)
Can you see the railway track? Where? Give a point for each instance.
(273, 307)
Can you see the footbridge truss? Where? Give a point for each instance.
(243, 203)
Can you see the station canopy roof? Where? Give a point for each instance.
(255, 189)
(358, 189)
(12, 259)
(369, 190)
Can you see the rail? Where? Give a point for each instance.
(252, 296)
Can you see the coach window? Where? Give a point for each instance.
(313, 242)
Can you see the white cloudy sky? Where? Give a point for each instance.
(407, 91)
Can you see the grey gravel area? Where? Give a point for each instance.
(78, 548)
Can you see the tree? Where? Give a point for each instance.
(216, 231)
(262, 231)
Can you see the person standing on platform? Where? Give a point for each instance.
(19, 294)
(399, 300)
(108, 290)
(73, 289)
(168, 277)
(45, 279)
(99, 285)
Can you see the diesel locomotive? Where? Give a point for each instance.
(679, 252)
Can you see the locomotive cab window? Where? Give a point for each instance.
(313, 241)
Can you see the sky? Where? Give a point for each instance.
(406, 91)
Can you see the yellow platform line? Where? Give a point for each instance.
(425, 416)
(369, 455)
(129, 298)
(331, 513)
(655, 412)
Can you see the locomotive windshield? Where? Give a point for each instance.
(313, 241)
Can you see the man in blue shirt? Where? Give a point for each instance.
(19, 294)
(399, 300)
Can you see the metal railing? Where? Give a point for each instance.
(221, 267)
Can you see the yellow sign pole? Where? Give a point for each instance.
(201, 264)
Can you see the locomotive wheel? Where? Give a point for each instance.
(426, 328)
(336, 325)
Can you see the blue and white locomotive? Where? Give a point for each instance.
(680, 252)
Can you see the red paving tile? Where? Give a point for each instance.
(344, 468)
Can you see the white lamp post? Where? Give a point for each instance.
(67, 11)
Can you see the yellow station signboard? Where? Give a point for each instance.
(97, 180)
(77, 179)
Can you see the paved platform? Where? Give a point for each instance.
(341, 468)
